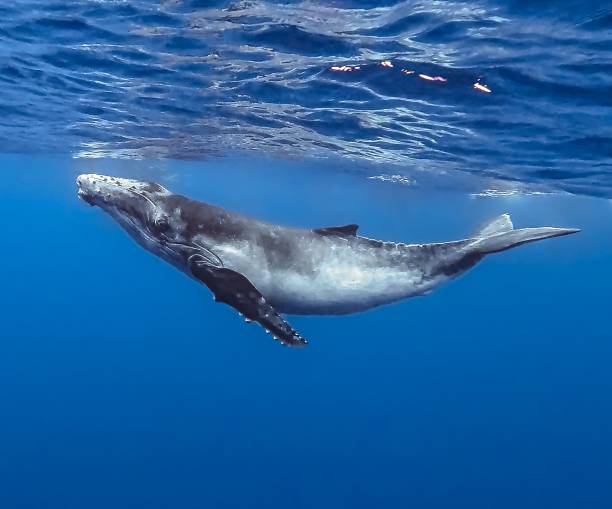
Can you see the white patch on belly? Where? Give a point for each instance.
(343, 280)
(345, 277)
(344, 288)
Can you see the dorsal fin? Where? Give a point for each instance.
(500, 224)
(349, 229)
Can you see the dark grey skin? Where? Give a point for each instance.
(262, 269)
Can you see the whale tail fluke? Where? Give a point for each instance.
(499, 235)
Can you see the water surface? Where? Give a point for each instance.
(191, 79)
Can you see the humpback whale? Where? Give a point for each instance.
(263, 269)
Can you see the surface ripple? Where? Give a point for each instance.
(191, 79)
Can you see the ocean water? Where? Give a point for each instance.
(124, 385)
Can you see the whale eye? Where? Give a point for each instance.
(162, 224)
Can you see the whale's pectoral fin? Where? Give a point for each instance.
(236, 290)
(349, 229)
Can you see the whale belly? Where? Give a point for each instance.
(341, 289)
(326, 279)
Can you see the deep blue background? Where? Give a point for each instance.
(124, 385)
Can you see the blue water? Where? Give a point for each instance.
(124, 385)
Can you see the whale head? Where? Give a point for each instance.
(142, 208)
(142, 201)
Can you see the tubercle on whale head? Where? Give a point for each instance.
(121, 194)
(102, 189)
(138, 206)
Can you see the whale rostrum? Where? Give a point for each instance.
(263, 269)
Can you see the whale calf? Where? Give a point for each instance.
(263, 269)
